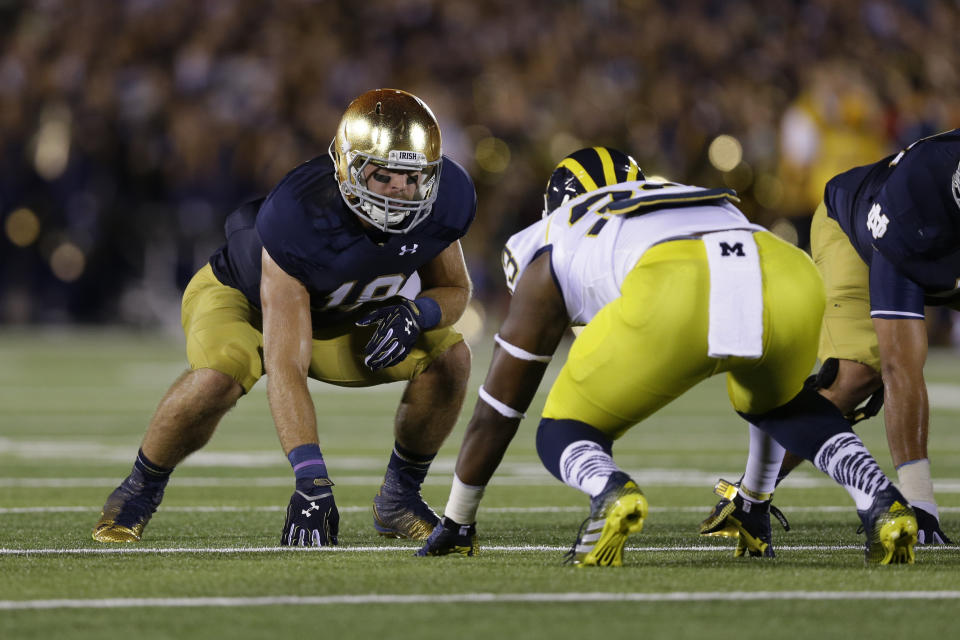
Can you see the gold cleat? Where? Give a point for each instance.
(403, 515)
(717, 523)
(126, 512)
(614, 514)
(106, 530)
(891, 528)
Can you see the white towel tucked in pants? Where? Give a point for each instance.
(736, 295)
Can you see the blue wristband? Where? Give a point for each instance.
(430, 313)
(307, 462)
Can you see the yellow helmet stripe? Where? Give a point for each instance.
(609, 174)
(577, 169)
(633, 171)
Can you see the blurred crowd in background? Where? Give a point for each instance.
(129, 129)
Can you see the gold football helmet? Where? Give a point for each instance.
(395, 130)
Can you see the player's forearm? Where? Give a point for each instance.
(485, 442)
(292, 408)
(903, 352)
(906, 414)
(453, 302)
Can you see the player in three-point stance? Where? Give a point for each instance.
(673, 285)
(886, 240)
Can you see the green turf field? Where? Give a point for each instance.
(73, 407)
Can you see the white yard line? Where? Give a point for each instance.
(474, 598)
(650, 478)
(406, 547)
(362, 508)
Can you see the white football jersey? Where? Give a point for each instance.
(596, 239)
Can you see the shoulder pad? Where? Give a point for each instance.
(456, 204)
(668, 196)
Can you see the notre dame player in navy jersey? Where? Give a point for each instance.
(887, 242)
(315, 281)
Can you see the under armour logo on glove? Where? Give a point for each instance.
(300, 529)
(398, 327)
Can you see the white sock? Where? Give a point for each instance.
(845, 459)
(763, 464)
(463, 502)
(917, 486)
(584, 465)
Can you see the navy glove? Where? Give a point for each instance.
(398, 327)
(312, 520)
(929, 531)
(451, 537)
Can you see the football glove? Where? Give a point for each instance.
(451, 537)
(929, 531)
(312, 520)
(398, 327)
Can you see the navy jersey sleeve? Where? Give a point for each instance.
(285, 230)
(920, 230)
(892, 294)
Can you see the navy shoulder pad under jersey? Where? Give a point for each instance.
(313, 236)
(907, 209)
(456, 204)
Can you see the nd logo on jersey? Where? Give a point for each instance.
(877, 222)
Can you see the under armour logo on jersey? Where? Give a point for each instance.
(735, 249)
(313, 507)
(404, 249)
(877, 222)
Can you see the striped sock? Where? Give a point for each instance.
(584, 465)
(845, 459)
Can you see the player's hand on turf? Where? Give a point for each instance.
(451, 537)
(398, 327)
(929, 531)
(312, 520)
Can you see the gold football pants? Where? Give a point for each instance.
(847, 331)
(649, 346)
(224, 332)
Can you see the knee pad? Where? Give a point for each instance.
(825, 377)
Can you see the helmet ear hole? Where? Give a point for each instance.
(587, 170)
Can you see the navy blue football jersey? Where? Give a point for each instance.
(902, 215)
(313, 236)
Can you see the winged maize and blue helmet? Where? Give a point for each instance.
(587, 170)
(395, 130)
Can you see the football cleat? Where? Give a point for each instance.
(451, 537)
(748, 521)
(928, 528)
(127, 510)
(402, 514)
(716, 523)
(891, 527)
(615, 513)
